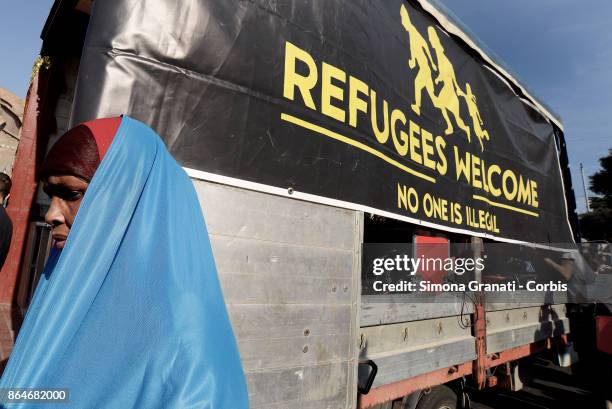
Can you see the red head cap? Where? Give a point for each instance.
(81, 149)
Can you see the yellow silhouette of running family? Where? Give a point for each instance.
(447, 100)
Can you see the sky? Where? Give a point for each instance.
(22, 23)
(561, 50)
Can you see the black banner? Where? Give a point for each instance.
(368, 103)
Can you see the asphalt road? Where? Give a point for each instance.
(551, 387)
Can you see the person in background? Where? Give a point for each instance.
(574, 270)
(590, 296)
(129, 312)
(6, 226)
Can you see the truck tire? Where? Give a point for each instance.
(440, 397)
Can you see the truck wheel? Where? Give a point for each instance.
(440, 397)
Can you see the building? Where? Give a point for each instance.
(11, 113)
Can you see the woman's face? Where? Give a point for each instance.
(66, 193)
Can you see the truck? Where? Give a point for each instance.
(312, 131)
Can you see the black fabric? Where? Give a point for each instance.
(210, 78)
(6, 234)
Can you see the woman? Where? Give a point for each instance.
(129, 312)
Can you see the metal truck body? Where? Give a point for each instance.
(289, 261)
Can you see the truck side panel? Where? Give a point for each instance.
(290, 275)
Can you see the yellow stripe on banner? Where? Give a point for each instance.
(505, 206)
(356, 144)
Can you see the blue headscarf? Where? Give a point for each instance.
(130, 314)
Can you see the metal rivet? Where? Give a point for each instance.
(362, 341)
(290, 190)
(305, 348)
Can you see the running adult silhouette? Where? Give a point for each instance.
(447, 99)
(420, 56)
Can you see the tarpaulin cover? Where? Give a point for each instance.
(370, 104)
(130, 314)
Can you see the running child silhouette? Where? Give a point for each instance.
(470, 100)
